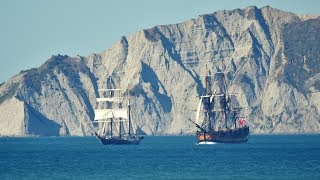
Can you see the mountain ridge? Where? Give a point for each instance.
(259, 49)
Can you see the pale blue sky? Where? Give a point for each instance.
(33, 30)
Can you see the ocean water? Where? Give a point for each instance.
(160, 157)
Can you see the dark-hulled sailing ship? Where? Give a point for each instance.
(114, 119)
(221, 122)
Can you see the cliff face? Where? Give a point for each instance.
(270, 57)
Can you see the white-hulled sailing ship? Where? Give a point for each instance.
(114, 118)
(221, 122)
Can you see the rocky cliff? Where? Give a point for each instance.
(271, 59)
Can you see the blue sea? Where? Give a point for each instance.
(161, 157)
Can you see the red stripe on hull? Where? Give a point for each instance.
(228, 136)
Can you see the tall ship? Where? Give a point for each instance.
(113, 117)
(218, 119)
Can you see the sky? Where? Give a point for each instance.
(33, 30)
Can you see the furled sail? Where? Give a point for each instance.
(106, 90)
(110, 113)
(104, 121)
(110, 99)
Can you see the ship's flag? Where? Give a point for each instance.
(242, 122)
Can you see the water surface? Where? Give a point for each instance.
(160, 157)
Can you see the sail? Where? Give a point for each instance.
(211, 99)
(103, 121)
(198, 110)
(105, 90)
(110, 99)
(110, 113)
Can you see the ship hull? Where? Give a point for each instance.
(119, 141)
(238, 135)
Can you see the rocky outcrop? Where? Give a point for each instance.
(270, 57)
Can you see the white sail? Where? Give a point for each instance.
(110, 99)
(205, 96)
(198, 111)
(211, 99)
(103, 121)
(110, 113)
(217, 94)
(104, 90)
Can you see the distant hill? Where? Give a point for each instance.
(271, 57)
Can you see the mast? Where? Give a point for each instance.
(208, 103)
(224, 101)
(129, 118)
(207, 99)
(120, 122)
(235, 119)
(111, 122)
(120, 126)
